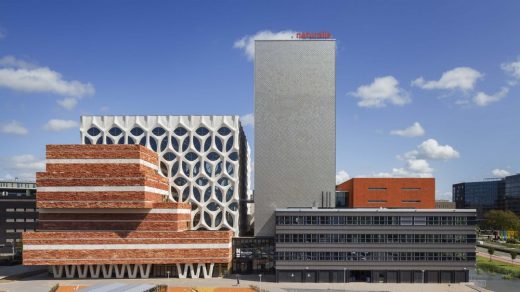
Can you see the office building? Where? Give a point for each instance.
(206, 159)
(482, 196)
(17, 214)
(295, 127)
(512, 193)
(374, 245)
(105, 211)
(418, 193)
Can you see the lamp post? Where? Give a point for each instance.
(168, 273)
(465, 275)
(422, 276)
(344, 275)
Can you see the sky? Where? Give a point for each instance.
(423, 88)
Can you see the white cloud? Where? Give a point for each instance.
(14, 128)
(463, 78)
(483, 99)
(23, 76)
(68, 102)
(248, 120)
(414, 130)
(381, 91)
(513, 68)
(22, 166)
(247, 43)
(10, 61)
(500, 172)
(419, 166)
(60, 125)
(443, 196)
(413, 168)
(431, 149)
(342, 176)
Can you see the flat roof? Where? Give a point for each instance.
(375, 210)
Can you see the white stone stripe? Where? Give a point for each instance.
(103, 189)
(116, 211)
(102, 161)
(120, 220)
(127, 246)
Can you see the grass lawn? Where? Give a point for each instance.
(485, 264)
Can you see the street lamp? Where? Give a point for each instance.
(168, 273)
(344, 275)
(465, 275)
(422, 276)
(260, 276)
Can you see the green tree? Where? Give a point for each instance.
(513, 256)
(491, 251)
(501, 220)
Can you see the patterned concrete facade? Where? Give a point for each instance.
(205, 158)
(105, 211)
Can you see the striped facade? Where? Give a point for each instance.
(105, 212)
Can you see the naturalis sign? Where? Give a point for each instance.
(313, 35)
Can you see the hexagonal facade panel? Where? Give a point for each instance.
(206, 159)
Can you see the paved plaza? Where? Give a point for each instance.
(42, 282)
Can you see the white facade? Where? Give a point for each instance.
(205, 158)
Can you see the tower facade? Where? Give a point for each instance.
(295, 127)
(205, 159)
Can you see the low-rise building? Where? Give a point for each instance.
(445, 204)
(374, 245)
(417, 193)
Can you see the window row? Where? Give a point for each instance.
(375, 220)
(19, 220)
(376, 256)
(376, 238)
(158, 131)
(20, 210)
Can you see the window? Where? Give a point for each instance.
(419, 221)
(408, 220)
(377, 201)
(411, 189)
(410, 201)
(377, 189)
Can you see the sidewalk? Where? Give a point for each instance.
(502, 259)
(7, 272)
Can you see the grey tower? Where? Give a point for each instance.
(295, 127)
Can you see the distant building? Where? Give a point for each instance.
(17, 214)
(497, 194)
(512, 194)
(444, 204)
(417, 193)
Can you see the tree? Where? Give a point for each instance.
(513, 256)
(491, 251)
(501, 220)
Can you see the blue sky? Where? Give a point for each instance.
(62, 59)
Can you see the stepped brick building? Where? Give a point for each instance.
(105, 212)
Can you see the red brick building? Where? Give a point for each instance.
(105, 212)
(416, 193)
